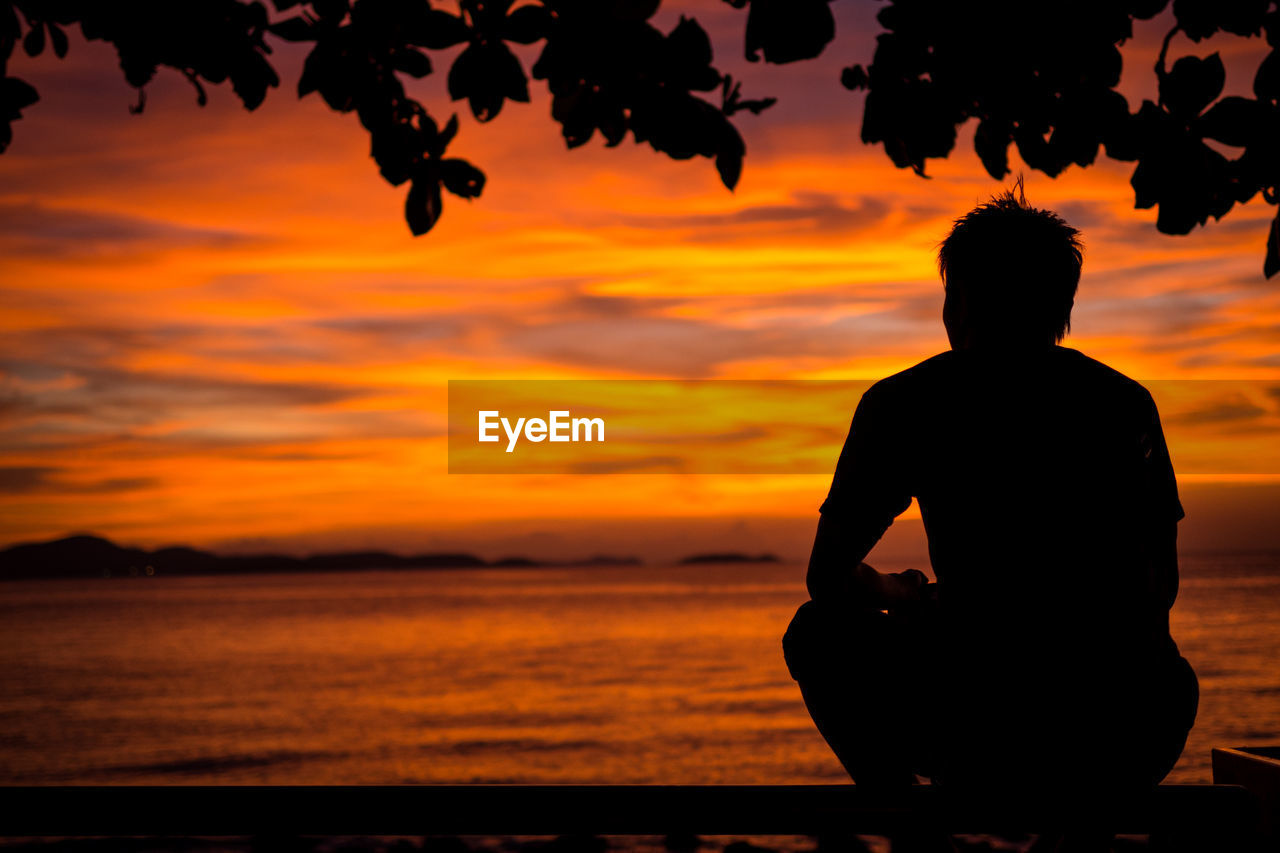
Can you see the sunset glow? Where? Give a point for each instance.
(218, 330)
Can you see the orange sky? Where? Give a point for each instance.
(218, 330)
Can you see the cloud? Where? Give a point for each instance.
(1103, 223)
(673, 346)
(647, 464)
(665, 346)
(34, 229)
(1233, 409)
(1163, 317)
(32, 479)
(808, 212)
(108, 400)
(23, 478)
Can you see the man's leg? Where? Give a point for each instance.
(1173, 715)
(863, 678)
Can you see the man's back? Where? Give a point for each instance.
(1047, 495)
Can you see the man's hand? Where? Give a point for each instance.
(875, 590)
(838, 575)
(902, 589)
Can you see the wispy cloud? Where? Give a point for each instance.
(34, 479)
(34, 229)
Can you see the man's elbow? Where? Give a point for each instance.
(819, 584)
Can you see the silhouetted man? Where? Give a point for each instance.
(1042, 655)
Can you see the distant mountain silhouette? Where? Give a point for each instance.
(93, 556)
(517, 562)
(728, 557)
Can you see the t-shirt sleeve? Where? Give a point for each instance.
(870, 481)
(1159, 480)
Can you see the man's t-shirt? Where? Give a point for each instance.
(1045, 486)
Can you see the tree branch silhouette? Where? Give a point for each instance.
(1039, 76)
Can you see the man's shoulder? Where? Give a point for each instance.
(933, 369)
(900, 395)
(1101, 376)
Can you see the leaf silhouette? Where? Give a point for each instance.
(33, 43)
(1192, 84)
(58, 39)
(788, 30)
(1272, 264)
(15, 96)
(1041, 76)
(423, 206)
(1232, 121)
(991, 141)
(486, 74)
(461, 178)
(435, 29)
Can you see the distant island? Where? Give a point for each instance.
(94, 556)
(728, 557)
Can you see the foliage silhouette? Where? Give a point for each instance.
(1039, 76)
(1043, 77)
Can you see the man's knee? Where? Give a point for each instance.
(824, 641)
(811, 639)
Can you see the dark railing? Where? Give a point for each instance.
(1211, 811)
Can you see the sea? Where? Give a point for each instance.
(649, 674)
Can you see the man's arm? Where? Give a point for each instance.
(868, 492)
(1165, 557)
(838, 575)
(1163, 509)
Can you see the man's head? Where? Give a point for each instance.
(1010, 273)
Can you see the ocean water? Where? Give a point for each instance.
(592, 675)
